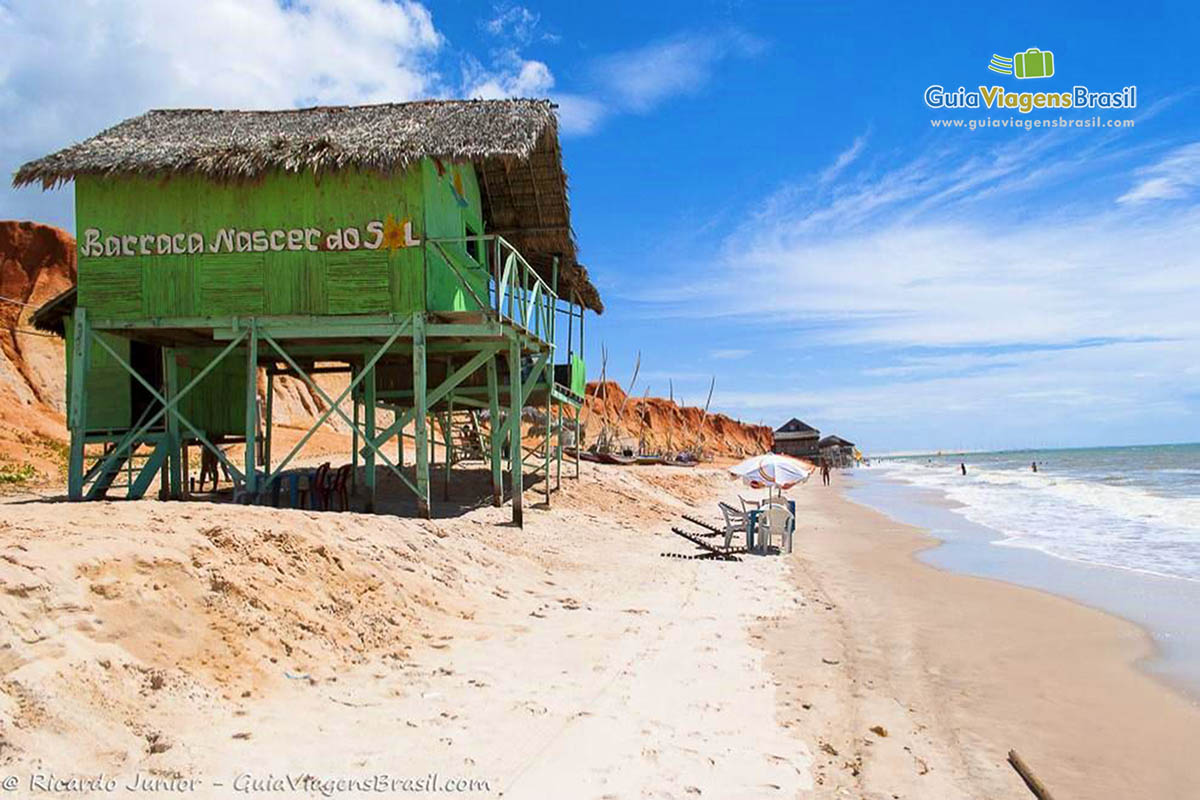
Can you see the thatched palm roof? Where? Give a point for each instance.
(513, 144)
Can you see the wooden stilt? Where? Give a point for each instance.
(558, 446)
(496, 444)
(81, 337)
(268, 422)
(546, 456)
(420, 415)
(369, 476)
(399, 443)
(515, 456)
(354, 405)
(251, 476)
(176, 454)
(448, 435)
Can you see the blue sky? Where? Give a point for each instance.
(758, 190)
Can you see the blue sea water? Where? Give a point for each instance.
(1117, 528)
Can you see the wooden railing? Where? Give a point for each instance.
(515, 292)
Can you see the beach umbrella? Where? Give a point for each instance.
(772, 470)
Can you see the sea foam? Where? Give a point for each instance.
(1127, 510)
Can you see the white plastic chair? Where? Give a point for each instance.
(749, 505)
(775, 521)
(735, 521)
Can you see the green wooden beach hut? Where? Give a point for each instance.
(423, 248)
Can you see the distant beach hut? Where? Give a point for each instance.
(798, 439)
(837, 451)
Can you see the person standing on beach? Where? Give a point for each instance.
(824, 472)
(963, 466)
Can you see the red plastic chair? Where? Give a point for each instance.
(340, 487)
(318, 488)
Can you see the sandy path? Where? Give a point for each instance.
(958, 670)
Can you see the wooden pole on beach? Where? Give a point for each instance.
(1036, 786)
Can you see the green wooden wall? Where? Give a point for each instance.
(437, 199)
(217, 405)
(453, 210)
(108, 387)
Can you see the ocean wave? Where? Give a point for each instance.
(1071, 516)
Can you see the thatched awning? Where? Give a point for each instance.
(513, 144)
(50, 317)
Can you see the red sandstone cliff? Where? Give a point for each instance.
(37, 262)
(665, 427)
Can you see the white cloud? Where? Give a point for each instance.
(514, 76)
(517, 23)
(844, 159)
(640, 79)
(857, 259)
(71, 69)
(579, 114)
(509, 73)
(517, 77)
(729, 353)
(628, 81)
(934, 292)
(1175, 176)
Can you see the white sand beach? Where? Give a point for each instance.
(568, 659)
(224, 645)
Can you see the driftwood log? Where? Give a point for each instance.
(1036, 786)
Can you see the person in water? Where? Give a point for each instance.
(1034, 466)
(963, 467)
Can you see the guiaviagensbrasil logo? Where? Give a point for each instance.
(1033, 63)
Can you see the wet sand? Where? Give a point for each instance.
(958, 670)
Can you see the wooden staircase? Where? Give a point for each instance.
(131, 466)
